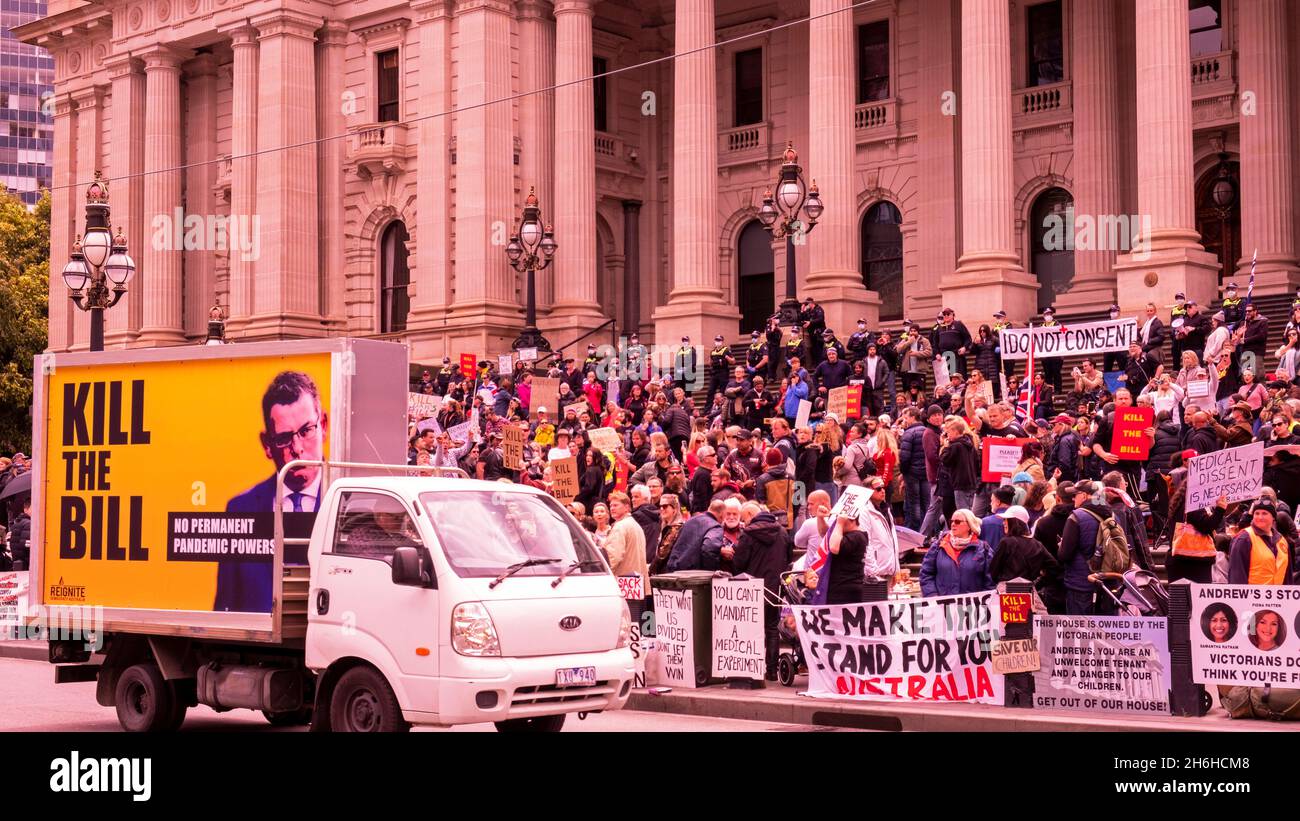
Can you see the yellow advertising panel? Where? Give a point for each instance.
(160, 478)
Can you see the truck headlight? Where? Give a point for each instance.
(472, 631)
(624, 628)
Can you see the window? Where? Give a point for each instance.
(1045, 43)
(600, 93)
(1205, 19)
(882, 257)
(389, 86)
(372, 526)
(873, 62)
(756, 268)
(394, 300)
(749, 87)
(1052, 228)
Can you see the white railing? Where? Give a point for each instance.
(745, 138)
(1043, 99)
(606, 146)
(873, 115)
(1211, 68)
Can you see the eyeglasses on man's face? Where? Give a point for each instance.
(280, 441)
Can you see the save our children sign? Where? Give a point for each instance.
(933, 649)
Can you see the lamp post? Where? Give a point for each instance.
(780, 216)
(98, 261)
(531, 249)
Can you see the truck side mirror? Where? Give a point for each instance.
(407, 570)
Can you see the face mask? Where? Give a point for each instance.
(862, 326)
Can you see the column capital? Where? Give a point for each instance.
(632, 205)
(286, 23)
(241, 34)
(536, 10)
(203, 65)
(427, 11)
(165, 58)
(88, 97)
(62, 105)
(120, 65)
(587, 7)
(503, 6)
(333, 33)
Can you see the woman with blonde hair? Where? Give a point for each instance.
(886, 458)
(831, 439)
(1193, 373)
(697, 440)
(977, 387)
(600, 513)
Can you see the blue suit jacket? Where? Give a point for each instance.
(242, 586)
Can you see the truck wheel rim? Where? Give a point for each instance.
(137, 698)
(363, 711)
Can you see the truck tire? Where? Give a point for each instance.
(146, 703)
(364, 703)
(293, 718)
(536, 724)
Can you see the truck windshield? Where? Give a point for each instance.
(484, 533)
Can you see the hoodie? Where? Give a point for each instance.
(764, 550)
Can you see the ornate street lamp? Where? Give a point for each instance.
(216, 326)
(531, 249)
(1224, 191)
(780, 216)
(98, 261)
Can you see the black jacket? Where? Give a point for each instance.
(647, 516)
(1284, 477)
(764, 550)
(1204, 440)
(700, 490)
(1165, 446)
(950, 338)
(986, 358)
(963, 463)
(1064, 455)
(1025, 558)
(1048, 528)
(20, 533)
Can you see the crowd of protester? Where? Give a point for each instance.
(15, 515)
(740, 483)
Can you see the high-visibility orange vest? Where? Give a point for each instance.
(1265, 567)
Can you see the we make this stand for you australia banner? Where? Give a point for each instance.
(935, 649)
(1069, 340)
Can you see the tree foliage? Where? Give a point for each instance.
(24, 312)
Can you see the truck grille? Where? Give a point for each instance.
(551, 694)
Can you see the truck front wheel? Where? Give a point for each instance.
(364, 703)
(146, 703)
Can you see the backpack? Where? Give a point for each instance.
(1111, 553)
(865, 468)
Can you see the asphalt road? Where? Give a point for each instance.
(30, 701)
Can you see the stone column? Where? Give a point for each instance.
(63, 201)
(632, 263)
(243, 170)
(125, 165)
(200, 175)
(286, 289)
(331, 60)
(432, 274)
(989, 275)
(1096, 155)
(537, 118)
(1168, 256)
(161, 263)
(938, 229)
(575, 309)
(89, 145)
(695, 307)
(1267, 146)
(486, 314)
(833, 278)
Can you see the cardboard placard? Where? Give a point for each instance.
(468, 364)
(1109, 664)
(1198, 388)
(632, 587)
(854, 410)
(565, 473)
(1015, 655)
(837, 402)
(941, 375)
(1237, 473)
(738, 638)
(852, 502)
(606, 440)
(578, 408)
(1001, 456)
(1130, 440)
(1016, 607)
(422, 406)
(545, 394)
(801, 419)
(1082, 339)
(512, 447)
(674, 639)
(527, 354)
(505, 363)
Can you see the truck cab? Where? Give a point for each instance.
(449, 601)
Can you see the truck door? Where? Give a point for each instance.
(355, 609)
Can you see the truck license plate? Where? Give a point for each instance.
(575, 677)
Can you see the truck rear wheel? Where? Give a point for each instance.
(146, 703)
(364, 703)
(536, 724)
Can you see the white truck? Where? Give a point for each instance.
(354, 595)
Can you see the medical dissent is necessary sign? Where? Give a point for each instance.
(1071, 340)
(1246, 635)
(1237, 473)
(935, 649)
(1112, 664)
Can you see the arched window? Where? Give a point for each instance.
(755, 291)
(1220, 229)
(395, 276)
(1052, 229)
(882, 257)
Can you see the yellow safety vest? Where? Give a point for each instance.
(1265, 567)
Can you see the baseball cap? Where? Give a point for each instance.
(1232, 286)
(1015, 512)
(999, 314)
(744, 434)
(717, 338)
(1022, 476)
(686, 340)
(1063, 419)
(446, 360)
(541, 409)
(1049, 311)
(1180, 295)
(1065, 490)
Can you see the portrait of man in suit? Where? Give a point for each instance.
(294, 427)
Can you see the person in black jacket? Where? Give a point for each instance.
(592, 481)
(1049, 527)
(961, 457)
(1064, 453)
(952, 336)
(987, 358)
(1255, 339)
(18, 539)
(1019, 555)
(764, 551)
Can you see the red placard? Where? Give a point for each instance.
(468, 363)
(855, 402)
(1016, 607)
(1000, 456)
(1130, 440)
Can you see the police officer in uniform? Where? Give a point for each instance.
(1051, 364)
(794, 347)
(684, 366)
(445, 374)
(1177, 319)
(1233, 309)
(636, 358)
(858, 341)
(813, 321)
(1000, 324)
(829, 341)
(756, 356)
(592, 362)
(1115, 360)
(775, 361)
(720, 363)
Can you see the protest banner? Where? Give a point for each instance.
(468, 364)
(580, 407)
(934, 649)
(545, 394)
(512, 447)
(13, 602)
(1011, 656)
(1083, 339)
(738, 639)
(1001, 456)
(1111, 664)
(632, 587)
(1246, 635)
(837, 402)
(1237, 473)
(459, 433)
(852, 501)
(941, 375)
(855, 401)
(505, 364)
(1130, 440)
(1016, 607)
(565, 473)
(422, 406)
(674, 639)
(1198, 388)
(801, 418)
(429, 424)
(605, 439)
(527, 354)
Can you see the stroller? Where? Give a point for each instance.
(790, 662)
(1140, 593)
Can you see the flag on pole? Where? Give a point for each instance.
(1250, 286)
(1025, 400)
